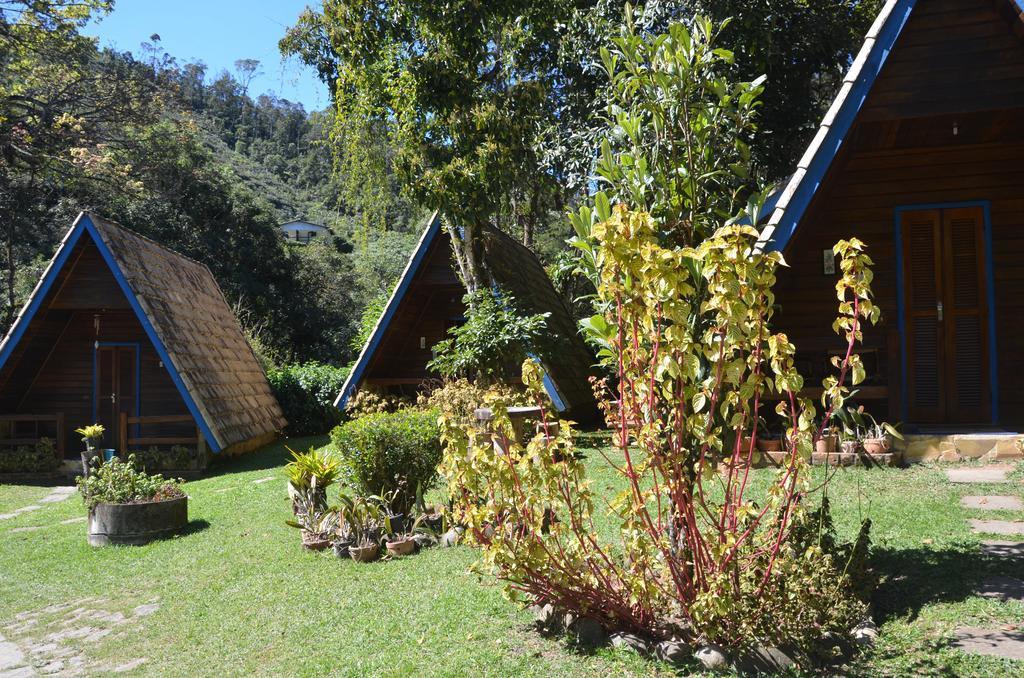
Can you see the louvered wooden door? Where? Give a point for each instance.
(946, 317)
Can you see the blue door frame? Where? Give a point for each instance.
(990, 295)
(96, 374)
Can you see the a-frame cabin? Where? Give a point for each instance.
(922, 157)
(427, 302)
(125, 332)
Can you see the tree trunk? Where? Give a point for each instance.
(465, 247)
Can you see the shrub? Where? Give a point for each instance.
(38, 458)
(495, 337)
(177, 458)
(119, 482)
(390, 453)
(459, 398)
(368, 401)
(306, 393)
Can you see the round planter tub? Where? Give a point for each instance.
(136, 524)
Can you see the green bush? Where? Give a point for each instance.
(38, 458)
(306, 393)
(390, 452)
(178, 458)
(118, 482)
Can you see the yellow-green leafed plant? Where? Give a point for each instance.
(91, 434)
(311, 473)
(698, 556)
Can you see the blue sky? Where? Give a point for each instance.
(217, 32)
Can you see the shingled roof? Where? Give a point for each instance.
(516, 269)
(188, 320)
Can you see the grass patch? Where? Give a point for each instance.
(238, 595)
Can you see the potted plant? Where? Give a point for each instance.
(311, 473)
(766, 440)
(129, 506)
(364, 522)
(318, 525)
(828, 443)
(878, 436)
(402, 543)
(91, 436)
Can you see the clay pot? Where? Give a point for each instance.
(769, 444)
(402, 547)
(877, 445)
(364, 554)
(311, 541)
(827, 444)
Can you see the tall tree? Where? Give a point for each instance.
(459, 88)
(63, 109)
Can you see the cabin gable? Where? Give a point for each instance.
(940, 135)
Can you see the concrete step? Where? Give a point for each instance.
(953, 447)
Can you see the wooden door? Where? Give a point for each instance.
(116, 388)
(946, 317)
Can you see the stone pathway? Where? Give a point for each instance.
(1002, 588)
(1003, 549)
(995, 643)
(264, 480)
(993, 503)
(53, 640)
(979, 474)
(996, 526)
(57, 494)
(1008, 641)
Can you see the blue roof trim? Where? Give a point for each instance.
(35, 301)
(85, 225)
(840, 127)
(154, 338)
(377, 336)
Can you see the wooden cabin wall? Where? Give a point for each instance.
(52, 370)
(431, 305)
(959, 65)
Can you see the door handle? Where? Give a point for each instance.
(938, 310)
(113, 398)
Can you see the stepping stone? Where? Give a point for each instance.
(996, 526)
(262, 480)
(991, 642)
(983, 474)
(992, 503)
(1003, 549)
(58, 494)
(72, 521)
(10, 655)
(1002, 588)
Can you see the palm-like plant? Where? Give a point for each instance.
(310, 474)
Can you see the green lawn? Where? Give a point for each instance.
(237, 594)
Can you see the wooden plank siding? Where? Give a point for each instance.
(943, 124)
(431, 306)
(52, 372)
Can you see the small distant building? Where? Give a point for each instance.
(304, 232)
(124, 332)
(427, 302)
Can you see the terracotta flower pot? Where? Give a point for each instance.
(364, 554)
(769, 444)
(850, 446)
(401, 547)
(311, 541)
(827, 444)
(877, 445)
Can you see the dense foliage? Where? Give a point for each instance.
(390, 454)
(39, 458)
(192, 161)
(177, 458)
(306, 393)
(120, 482)
(685, 299)
(495, 336)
